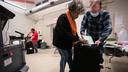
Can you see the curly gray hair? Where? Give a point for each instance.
(76, 6)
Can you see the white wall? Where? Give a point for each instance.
(20, 22)
(78, 22)
(118, 8)
(44, 25)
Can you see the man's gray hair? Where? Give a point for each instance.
(93, 2)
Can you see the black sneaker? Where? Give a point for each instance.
(101, 66)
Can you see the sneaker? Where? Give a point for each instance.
(101, 66)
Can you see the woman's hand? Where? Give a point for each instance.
(83, 41)
(74, 43)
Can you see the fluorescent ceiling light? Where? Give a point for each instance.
(10, 2)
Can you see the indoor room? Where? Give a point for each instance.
(63, 36)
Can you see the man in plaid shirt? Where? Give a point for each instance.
(97, 24)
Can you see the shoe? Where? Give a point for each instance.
(36, 51)
(101, 66)
(70, 70)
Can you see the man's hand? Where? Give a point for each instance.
(97, 42)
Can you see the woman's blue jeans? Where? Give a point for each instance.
(66, 56)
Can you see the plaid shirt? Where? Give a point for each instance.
(99, 27)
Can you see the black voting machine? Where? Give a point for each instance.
(12, 58)
(86, 58)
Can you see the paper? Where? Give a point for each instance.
(89, 39)
(17, 42)
(125, 48)
(7, 62)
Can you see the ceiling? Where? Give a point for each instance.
(49, 11)
(25, 1)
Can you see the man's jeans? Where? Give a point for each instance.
(35, 46)
(66, 56)
(101, 50)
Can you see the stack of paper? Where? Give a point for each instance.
(89, 39)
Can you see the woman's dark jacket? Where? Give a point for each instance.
(62, 33)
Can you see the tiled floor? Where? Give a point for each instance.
(46, 61)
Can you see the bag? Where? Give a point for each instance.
(29, 47)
